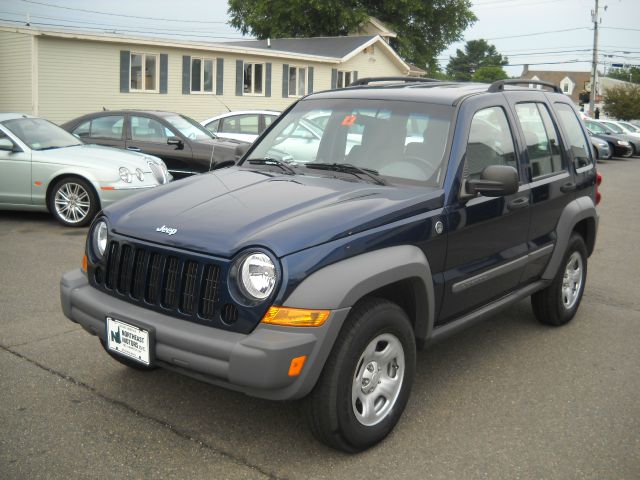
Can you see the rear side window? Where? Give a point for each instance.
(540, 134)
(246, 124)
(109, 126)
(490, 141)
(575, 136)
(213, 126)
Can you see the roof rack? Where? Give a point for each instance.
(368, 80)
(498, 86)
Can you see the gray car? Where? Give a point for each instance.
(44, 168)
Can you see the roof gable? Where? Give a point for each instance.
(336, 47)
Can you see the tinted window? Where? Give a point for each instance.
(247, 124)
(490, 141)
(542, 141)
(147, 129)
(107, 127)
(575, 136)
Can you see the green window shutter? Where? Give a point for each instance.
(186, 74)
(125, 67)
(334, 78)
(239, 77)
(219, 76)
(164, 61)
(267, 81)
(310, 81)
(285, 80)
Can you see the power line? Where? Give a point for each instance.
(539, 33)
(119, 14)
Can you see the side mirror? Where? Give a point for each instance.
(174, 141)
(6, 145)
(495, 181)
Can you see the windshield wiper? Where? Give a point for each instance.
(272, 161)
(349, 168)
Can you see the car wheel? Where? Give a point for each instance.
(367, 379)
(125, 361)
(557, 304)
(73, 202)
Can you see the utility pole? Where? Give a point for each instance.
(594, 61)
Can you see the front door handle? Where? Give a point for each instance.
(568, 187)
(518, 203)
(134, 149)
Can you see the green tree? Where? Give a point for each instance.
(424, 28)
(631, 74)
(623, 102)
(477, 54)
(489, 74)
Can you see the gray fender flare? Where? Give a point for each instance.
(577, 210)
(342, 284)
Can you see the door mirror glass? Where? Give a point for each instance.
(494, 181)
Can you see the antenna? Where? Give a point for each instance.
(211, 159)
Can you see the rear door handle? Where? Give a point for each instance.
(134, 149)
(518, 203)
(568, 187)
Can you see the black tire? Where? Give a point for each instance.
(125, 361)
(84, 207)
(551, 306)
(331, 412)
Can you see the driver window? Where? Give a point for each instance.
(490, 142)
(146, 129)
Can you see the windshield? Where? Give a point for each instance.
(189, 127)
(401, 141)
(613, 127)
(40, 134)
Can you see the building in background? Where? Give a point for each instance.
(60, 75)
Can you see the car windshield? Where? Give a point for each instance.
(403, 142)
(40, 134)
(189, 127)
(613, 127)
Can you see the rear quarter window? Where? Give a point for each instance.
(575, 136)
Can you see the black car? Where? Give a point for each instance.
(423, 208)
(185, 146)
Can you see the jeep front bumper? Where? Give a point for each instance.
(256, 364)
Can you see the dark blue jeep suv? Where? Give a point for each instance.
(320, 263)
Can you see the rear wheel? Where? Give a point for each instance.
(73, 202)
(367, 379)
(558, 303)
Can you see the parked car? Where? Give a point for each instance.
(601, 147)
(246, 125)
(185, 146)
(42, 168)
(620, 129)
(320, 278)
(622, 145)
(629, 127)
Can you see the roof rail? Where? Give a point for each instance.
(368, 80)
(498, 86)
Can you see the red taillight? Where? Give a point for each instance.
(598, 182)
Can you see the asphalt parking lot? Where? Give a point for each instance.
(508, 398)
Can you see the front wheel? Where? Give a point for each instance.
(558, 303)
(73, 202)
(366, 382)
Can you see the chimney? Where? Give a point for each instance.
(525, 70)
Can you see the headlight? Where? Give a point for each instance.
(125, 174)
(159, 170)
(140, 174)
(99, 239)
(257, 276)
(623, 143)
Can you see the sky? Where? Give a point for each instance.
(546, 34)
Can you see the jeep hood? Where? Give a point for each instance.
(223, 212)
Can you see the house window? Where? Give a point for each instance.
(297, 81)
(201, 75)
(565, 88)
(144, 72)
(345, 78)
(254, 78)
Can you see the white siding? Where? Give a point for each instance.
(79, 76)
(15, 73)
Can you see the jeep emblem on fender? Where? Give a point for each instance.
(167, 230)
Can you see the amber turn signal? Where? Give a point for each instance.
(84, 264)
(295, 317)
(296, 365)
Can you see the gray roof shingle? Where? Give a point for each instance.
(332, 47)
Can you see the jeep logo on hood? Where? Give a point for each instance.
(167, 230)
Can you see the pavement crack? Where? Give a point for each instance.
(173, 429)
(60, 334)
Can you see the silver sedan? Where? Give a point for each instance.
(44, 168)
